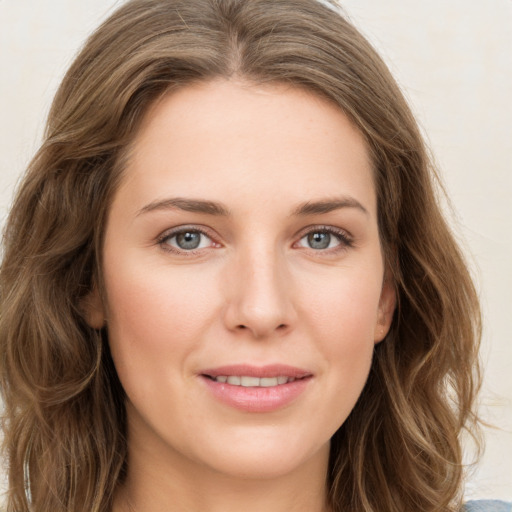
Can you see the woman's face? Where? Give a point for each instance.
(244, 279)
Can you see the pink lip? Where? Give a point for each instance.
(257, 399)
(271, 370)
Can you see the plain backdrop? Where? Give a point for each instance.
(453, 59)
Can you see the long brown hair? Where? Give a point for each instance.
(64, 420)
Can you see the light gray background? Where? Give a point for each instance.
(453, 58)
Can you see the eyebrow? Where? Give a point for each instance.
(218, 209)
(188, 205)
(327, 206)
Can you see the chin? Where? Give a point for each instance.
(264, 458)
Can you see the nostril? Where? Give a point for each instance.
(280, 327)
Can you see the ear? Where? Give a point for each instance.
(387, 304)
(93, 310)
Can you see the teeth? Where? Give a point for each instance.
(254, 382)
(249, 382)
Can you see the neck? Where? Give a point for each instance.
(217, 496)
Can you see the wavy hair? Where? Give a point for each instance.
(64, 420)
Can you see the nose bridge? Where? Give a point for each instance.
(261, 300)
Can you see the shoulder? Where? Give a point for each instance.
(487, 506)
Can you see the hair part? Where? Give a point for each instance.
(64, 419)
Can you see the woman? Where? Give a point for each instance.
(227, 282)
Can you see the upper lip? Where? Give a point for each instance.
(271, 370)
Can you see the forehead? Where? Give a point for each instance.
(242, 140)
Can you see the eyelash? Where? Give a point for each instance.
(345, 240)
(168, 235)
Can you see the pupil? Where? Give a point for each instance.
(188, 240)
(319, 240)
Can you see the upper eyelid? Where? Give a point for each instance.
(169, 233)
(324, 227)
(163, 240)
(346, 240)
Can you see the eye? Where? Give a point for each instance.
(325, 238)
(186, 240)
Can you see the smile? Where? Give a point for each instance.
(257, 389)
(253, 382)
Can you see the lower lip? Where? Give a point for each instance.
(257, 399)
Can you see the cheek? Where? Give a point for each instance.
(343, 306)
(156, 314)
(341, 316)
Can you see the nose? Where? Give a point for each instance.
(260, 295)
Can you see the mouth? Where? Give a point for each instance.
(256, 376)
(252, 382)
(257, 389)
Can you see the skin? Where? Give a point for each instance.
(255, 291)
